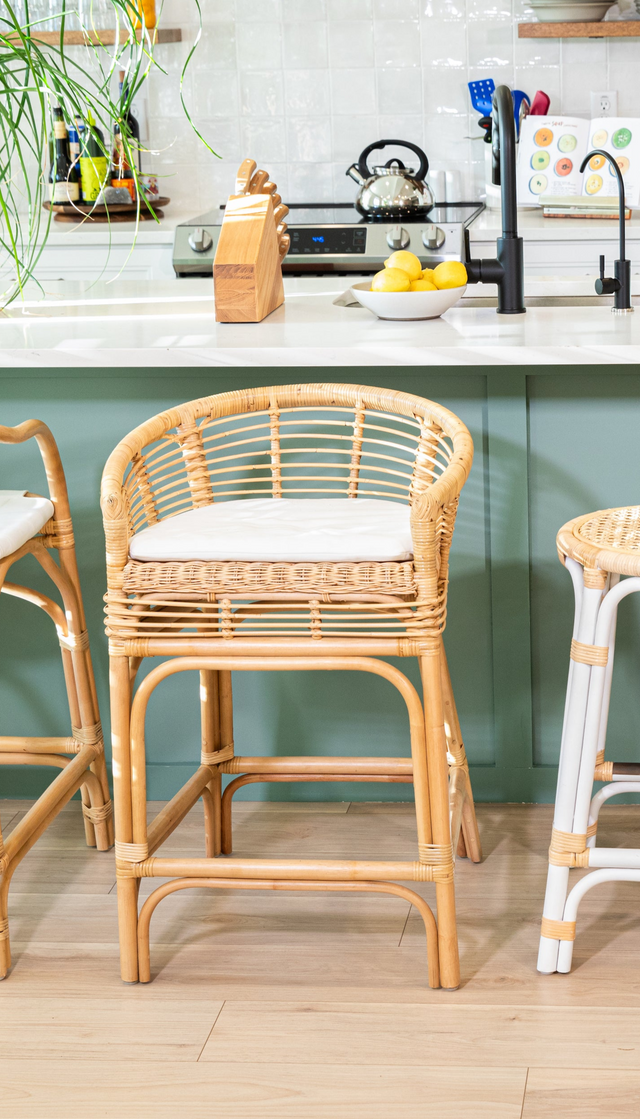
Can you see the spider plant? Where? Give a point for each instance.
(35, 77)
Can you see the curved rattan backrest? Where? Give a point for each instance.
(285, 441)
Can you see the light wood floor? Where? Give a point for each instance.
(313, 1006)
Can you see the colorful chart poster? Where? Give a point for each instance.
(551, 150)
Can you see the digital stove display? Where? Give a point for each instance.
(310, 241)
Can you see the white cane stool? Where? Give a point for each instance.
(597, 549)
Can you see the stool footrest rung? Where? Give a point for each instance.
(324, 765)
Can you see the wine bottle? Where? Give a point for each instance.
(74, 152)
(63, 176)
(133, 128)
(94, 165)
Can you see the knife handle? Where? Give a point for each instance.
(257, 182)
(243, 178)
(280, 212)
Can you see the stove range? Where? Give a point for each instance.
(338, 239)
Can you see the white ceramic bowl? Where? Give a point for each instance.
(406, 304)
(570, 11)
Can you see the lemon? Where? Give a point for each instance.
(407, 261)
(390, 279)
(422, 285)
(427, 274)
(450, 274)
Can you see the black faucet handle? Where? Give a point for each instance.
(606, 285)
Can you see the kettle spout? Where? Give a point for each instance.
(354, 174)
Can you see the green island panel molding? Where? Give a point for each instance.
(551, 442)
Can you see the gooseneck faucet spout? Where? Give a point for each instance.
(507, 269)
(620, 285)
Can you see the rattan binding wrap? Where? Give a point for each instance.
(558, 930)
(589, 654)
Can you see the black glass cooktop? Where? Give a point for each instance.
(345, 214)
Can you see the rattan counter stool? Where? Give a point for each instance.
(36, 526)
(293, 527)
(597, 549)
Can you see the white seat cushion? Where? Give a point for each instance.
(281, 529)
(21, 518)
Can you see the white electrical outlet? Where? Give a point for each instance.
(604, 104)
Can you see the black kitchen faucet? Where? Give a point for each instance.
(507, 269)
(619, 286)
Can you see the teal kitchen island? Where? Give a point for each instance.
(552, 399)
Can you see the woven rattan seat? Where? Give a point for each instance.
(608, 540)
(237, 578)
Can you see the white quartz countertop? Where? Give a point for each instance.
(172, 324)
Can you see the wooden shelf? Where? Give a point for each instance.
(106, 37)
(614, 29)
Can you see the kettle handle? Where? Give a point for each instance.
(421, 173)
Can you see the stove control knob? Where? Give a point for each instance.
(200, 241)
(433, 237)
(398, 238)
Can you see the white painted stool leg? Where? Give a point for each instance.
(565, 954)
(570, 756)
(606, 699)
(616, 788)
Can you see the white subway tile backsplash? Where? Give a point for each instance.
(303, 9)
(305, 45)
(353, 91)
(349, 9)
(248, 11)
(261, 93)
(308, 139)
(307, 92)
(396, 9)
(397, 42)
(350, 135)
(310, 182)
(259, 46)
(350, 43)
(215, 94)
(303, 86)
(263, 138)
(399, 90)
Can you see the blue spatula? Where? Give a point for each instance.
(482, 93)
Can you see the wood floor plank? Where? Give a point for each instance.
(217, 917)
(569, 1093)
(426, 1036)
(105, 1029)
(154, 1090)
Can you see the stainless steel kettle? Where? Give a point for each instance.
(392, 190)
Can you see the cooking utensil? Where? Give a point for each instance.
(540, 104)
(521, 108)
(482, 95)
(391, 190)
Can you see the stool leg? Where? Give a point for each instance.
(470, 836)
(436, 745)
(210, 736)
(127, 887)
(587, 604)
(5, 950)
(226, 739)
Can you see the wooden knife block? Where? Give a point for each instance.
(247, 270)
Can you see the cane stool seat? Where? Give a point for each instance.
(607, 541)
(21, 517)
(288, 528)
